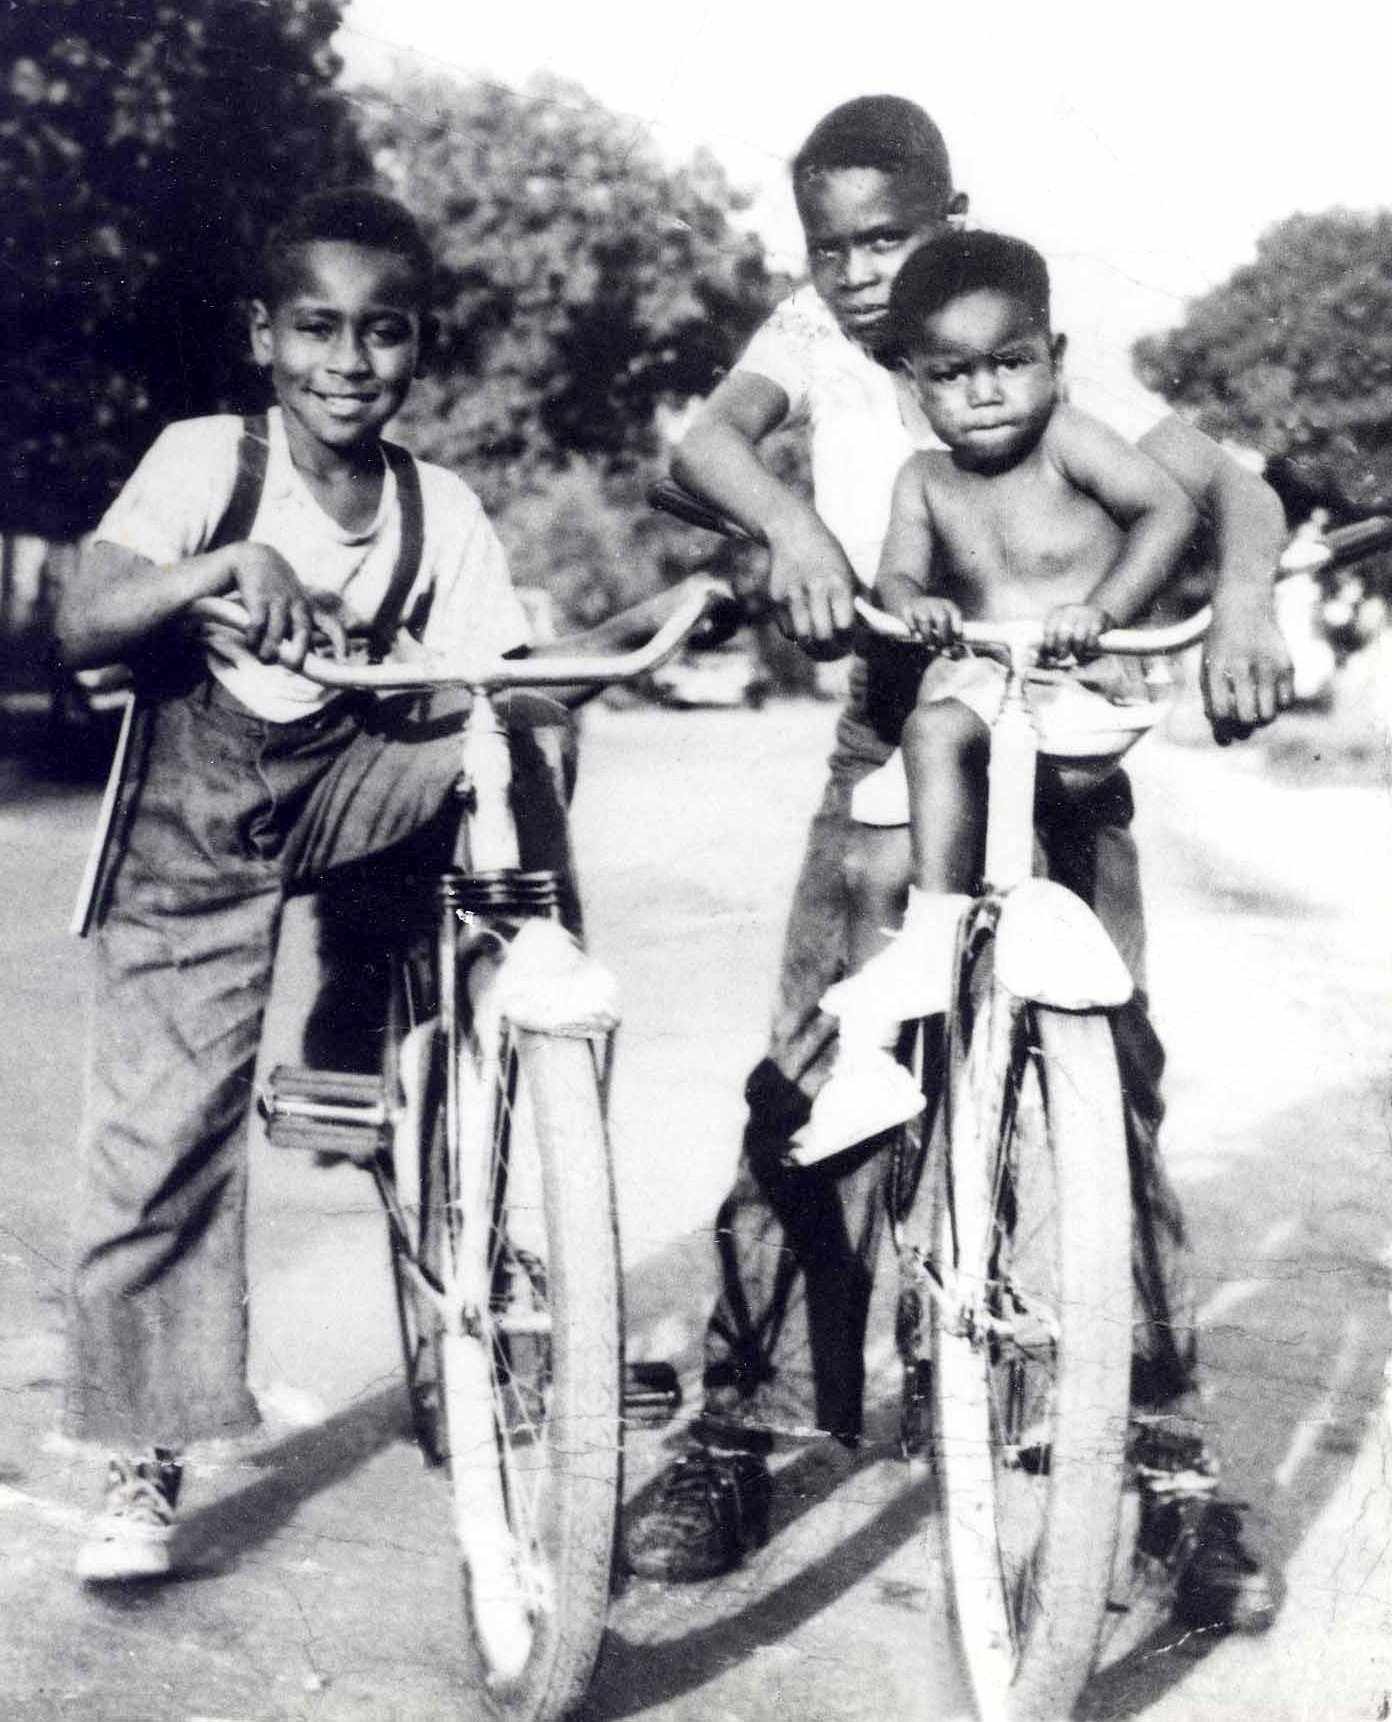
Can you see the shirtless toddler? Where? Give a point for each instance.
(1032, 509)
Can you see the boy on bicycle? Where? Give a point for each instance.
(784, 1347)
(247, 781)
(1032, 509)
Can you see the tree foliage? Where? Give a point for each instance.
(1293, 356)
(144, 148)
(583, 282)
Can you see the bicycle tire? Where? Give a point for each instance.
(416, 1170)
(525, 1413)
(1030, 1422)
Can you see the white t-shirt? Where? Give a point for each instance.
(864, 421)
(172, 503)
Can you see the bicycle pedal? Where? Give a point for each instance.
(335, 1113)
(915, 1410)
(651, 1393)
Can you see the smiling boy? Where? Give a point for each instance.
(250, 781)
(784, 1348)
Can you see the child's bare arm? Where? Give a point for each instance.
(810, 581)
(117, 599)
(903, 583)
(1158, 519)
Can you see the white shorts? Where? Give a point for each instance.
(1087, 719)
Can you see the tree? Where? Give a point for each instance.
(1293, 356)
(586, 289)
(583, 283)
(144, 149)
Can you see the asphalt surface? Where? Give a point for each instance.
(317, 1582)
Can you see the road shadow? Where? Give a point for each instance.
(295, 1469)
(1293, 1357)
(636, 1675)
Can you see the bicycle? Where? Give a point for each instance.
(485, 1137)
(1011, 1216)
(1015, 1245)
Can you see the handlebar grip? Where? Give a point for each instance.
(669, 497)
(1359, 539)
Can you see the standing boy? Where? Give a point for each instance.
(785, 1343)
(249, 780)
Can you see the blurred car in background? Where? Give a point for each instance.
(1300, 605)
(727, 677)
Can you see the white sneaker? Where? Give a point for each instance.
(912, 976)
(549, 984)
(867, 1092)
(131, 1537)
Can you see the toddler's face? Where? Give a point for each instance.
(343, 344)
(986, 372)
(861, 224)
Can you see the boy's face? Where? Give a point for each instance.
(342, 345)
(986, 371)
(861, 225)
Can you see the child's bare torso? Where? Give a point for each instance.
(1013, 544)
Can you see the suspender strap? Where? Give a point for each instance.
(408, 556)
(239, 516)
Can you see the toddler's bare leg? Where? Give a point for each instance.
(877, 872)
(946, 750)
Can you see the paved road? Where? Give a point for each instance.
(319, 1584)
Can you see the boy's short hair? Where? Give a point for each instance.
(951, 264)
(888, 133)
(354, 215)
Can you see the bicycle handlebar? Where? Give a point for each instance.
(1022, 637)
(690, 602)
(1340, 546)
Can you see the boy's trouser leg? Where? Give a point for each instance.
(1089, 847)
(158, 1321)
(396, 781)
(388, 805)
(158, 1326)
(785, 1344)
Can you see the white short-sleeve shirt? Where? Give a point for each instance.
(172, 503)
(864, 421)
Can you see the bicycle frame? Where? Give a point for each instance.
(486, 852)
(1084, 971)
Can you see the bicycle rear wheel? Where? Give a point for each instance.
(521, 1398)
(1031, 1386)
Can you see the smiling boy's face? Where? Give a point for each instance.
(341, 342)
(861, 225)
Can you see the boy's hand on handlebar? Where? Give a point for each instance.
(329, 631)
(1247, 677)
(812, 588)
(1073, 630)
(280, 616)
(935, 621)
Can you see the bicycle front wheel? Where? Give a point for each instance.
(1032, 1348)
(520, 1234)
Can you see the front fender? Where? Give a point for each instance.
(1052, 950)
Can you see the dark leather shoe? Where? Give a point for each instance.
(1220, 1585)
(710, 1509)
